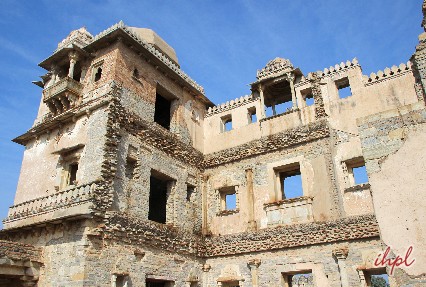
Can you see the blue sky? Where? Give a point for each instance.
(220, 44)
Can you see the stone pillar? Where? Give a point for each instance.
(274, 111)
(254, 266)
(262, 102)
(73, 56)
(290, 78)
(250, 200)
(206, 268)
(205, 228)
(362, 278)
(341, 255)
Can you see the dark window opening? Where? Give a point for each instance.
(291, 182)
(252, 115)
(73, 168)
(162, 111)
(136, 73)
(158, 283)
(98, 74)
(120, 281)
(190, 190)
(130, 167)
(77, 72)
(343, 87)
(158, 193)
(231, 284)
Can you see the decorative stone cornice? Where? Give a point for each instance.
(345, 229)
(285, 139)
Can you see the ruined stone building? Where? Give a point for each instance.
(131, 176)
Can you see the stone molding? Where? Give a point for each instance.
(289, 200)
(358, 187)
(285, 139)
(20, 251)
(230, 105)
(350, 228)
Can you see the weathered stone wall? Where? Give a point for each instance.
(88, 130)
(274, 265)
(393, 146)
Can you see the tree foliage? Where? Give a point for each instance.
(377, 281)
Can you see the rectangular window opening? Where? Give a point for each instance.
(121, 281)
(290, 180)
(252, 117)
(298, 279)
(190, 190)
(376, 277)
(308, 97)
(158, 283)
(357, 171)
(162, 114)
(226, 123)
(73, 168)
(158, 195)
(228, 198)
(130, 167)
(343, 87)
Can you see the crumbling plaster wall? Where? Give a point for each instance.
(393, 146)
(88, 130)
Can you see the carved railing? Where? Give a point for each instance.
(63, 95)
(62, 199)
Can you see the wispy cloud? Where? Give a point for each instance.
(18, 50)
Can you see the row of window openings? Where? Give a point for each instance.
(295, 279)
(290, 181)
(342, 86)
(290, 184)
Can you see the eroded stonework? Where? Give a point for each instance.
(133, 177)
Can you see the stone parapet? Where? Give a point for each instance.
(388, 73)
(230, 105)
(63, 200)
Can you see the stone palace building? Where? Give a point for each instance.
(131, 176)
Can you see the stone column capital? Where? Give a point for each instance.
(206, 268)
(254, 263)
(341, 253)
(73, 56)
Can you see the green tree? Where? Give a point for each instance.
(377, 281)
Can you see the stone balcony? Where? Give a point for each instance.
(289, 211)
(76, 201)
(63, 95)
